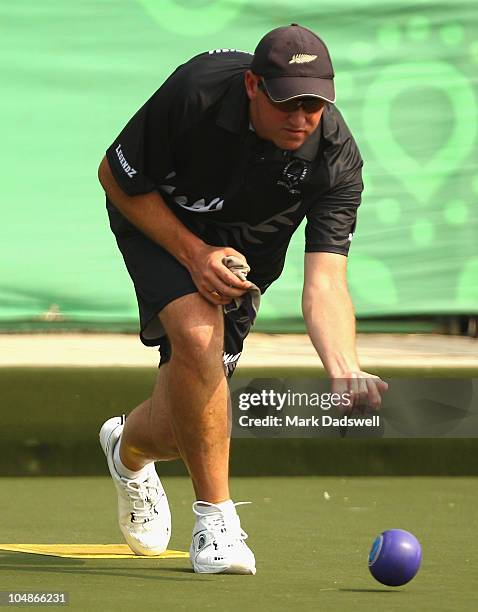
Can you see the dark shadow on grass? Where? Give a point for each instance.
(14, 559)
(28, 563)
(369, 590)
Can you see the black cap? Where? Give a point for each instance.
(294, 62)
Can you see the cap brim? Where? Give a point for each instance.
(283, 89)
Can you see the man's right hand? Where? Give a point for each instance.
(214, 281)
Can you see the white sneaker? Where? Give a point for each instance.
(218, 545)
(143, 510)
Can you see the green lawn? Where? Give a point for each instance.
(311, 552)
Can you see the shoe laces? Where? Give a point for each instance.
(145, 497)
(220, 524)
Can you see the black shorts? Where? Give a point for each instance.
(159, 279)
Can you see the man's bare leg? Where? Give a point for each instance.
(188, 410)
(189, 413)
(147, 434)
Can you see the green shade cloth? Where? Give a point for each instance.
(73, 73)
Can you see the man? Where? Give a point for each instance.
(225, 159)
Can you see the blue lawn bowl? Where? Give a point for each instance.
(395, 557)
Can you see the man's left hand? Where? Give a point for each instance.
(365, 391)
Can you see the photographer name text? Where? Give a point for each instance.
(323, 420)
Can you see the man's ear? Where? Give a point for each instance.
(250, 81)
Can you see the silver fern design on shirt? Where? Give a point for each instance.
(198, 206)
(302, 58)
(243, 232)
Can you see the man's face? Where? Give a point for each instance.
(286, 125)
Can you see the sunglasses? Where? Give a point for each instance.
(309, 105)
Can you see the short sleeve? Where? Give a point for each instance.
(332, 218)
(147, 149)
(142, 154)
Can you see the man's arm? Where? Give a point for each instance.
(151, 215)
(330, 320)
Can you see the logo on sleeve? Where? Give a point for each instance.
(130, 171)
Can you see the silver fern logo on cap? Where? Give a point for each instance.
(302, 58)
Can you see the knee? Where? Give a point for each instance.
(202, 342)
(197, 332)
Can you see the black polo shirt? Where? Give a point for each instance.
(193, 143)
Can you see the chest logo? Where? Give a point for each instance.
(292, 175)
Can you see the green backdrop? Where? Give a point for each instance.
(72, 73)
